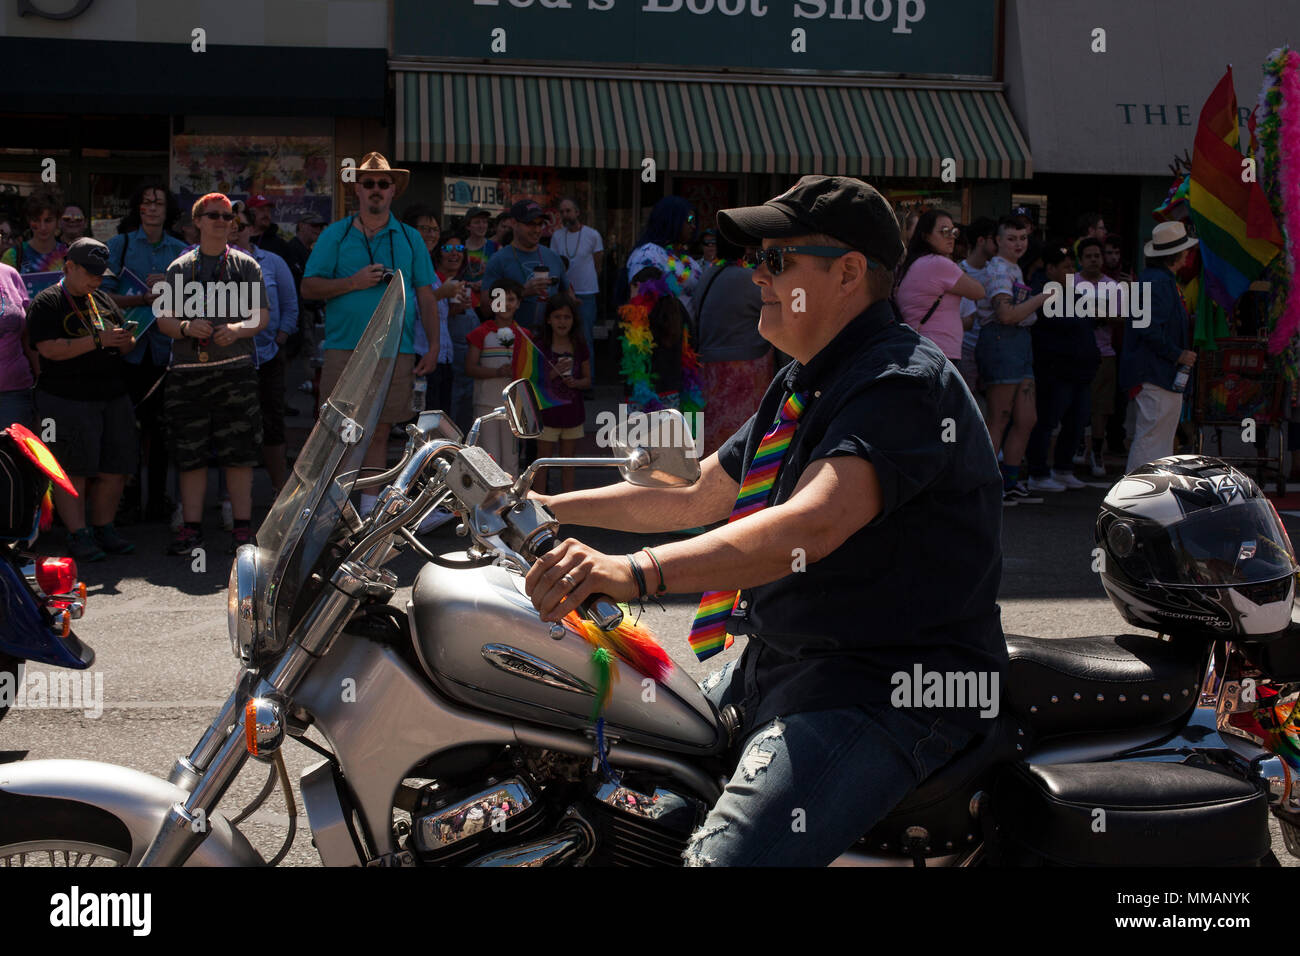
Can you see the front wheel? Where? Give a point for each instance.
(49, 832)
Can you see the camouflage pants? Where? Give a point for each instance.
(213, 413)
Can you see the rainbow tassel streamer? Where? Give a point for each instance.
(639, 346)
(604, 662)
(630, 643)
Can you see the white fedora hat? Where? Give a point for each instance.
(1168, 238)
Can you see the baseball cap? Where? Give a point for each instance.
(839, 206)
(91, 255)
(475, 212)
(314, 218)
(255, 202)
(526, 210)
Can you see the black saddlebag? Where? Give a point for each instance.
(1126, 814)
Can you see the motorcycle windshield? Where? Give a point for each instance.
(298, 527)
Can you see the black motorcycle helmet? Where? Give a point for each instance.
(1190, 546)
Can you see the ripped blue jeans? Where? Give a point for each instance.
(806, 787)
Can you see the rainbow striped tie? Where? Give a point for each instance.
(709, 631)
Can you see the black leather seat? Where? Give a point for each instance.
(1127, 814)
(1098, 684)
(942, 804)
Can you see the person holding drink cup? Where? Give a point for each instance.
(534, 266)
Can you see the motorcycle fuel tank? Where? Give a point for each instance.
(482, 643)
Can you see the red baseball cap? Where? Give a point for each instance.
(259, 200)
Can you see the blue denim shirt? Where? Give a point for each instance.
(1151, 354)
(281, 303)
(134, 251)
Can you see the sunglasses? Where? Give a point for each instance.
(6, 236)
(949, 231)
(225, 216)
(376, 183)
(775, 258)
(453, 248)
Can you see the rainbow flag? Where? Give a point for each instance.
(527, 361)
(1238, 234)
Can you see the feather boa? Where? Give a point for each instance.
(1288, 181)
(639, 346)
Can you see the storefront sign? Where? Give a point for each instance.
(912, 37)
(1116, 87)
(461, 193)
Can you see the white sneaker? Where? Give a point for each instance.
(437, 518)
(1045, 484)
(1095, 465)
(1068, 479)
(227, 517)
(178, 519)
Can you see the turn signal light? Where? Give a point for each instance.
(57, 575)
(63, 623)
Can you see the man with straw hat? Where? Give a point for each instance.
(350, 267)
(1155, 345)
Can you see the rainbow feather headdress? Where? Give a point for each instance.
(639, 344)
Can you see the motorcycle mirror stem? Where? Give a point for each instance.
(640, 458)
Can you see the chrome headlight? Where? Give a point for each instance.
(240, 604)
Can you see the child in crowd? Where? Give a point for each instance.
(568, 372)
(491, 350)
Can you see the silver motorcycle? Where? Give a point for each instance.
(459, 731)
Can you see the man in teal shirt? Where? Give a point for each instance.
(346, 269)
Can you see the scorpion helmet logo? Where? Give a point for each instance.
(1227, 488)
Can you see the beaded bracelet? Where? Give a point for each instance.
(658, 567)
(638, 576)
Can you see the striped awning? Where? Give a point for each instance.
(735, 127)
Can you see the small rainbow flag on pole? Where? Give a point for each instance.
(527, 361)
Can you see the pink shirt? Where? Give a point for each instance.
(15, 370)
(928, 278)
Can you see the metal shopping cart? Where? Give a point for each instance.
(1236, 385)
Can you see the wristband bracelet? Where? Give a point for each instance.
(658, 567)
(185, 328)
(638, 576)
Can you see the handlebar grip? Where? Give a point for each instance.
(600, 609)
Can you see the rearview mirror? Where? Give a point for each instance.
(661, 451)
(522, 408)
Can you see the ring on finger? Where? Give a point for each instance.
(569, 580)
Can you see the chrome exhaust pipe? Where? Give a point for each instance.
(569, 845)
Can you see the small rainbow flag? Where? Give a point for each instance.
(527, 361)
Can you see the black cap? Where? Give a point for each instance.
(844, 208)
(91, 255)
(526, 210)
(475, 212)
(312, 218)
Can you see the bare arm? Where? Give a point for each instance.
(1008, 314)
(597, 258)
(624, 507)
(835, 498)
(60, 350)
(968, 288)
